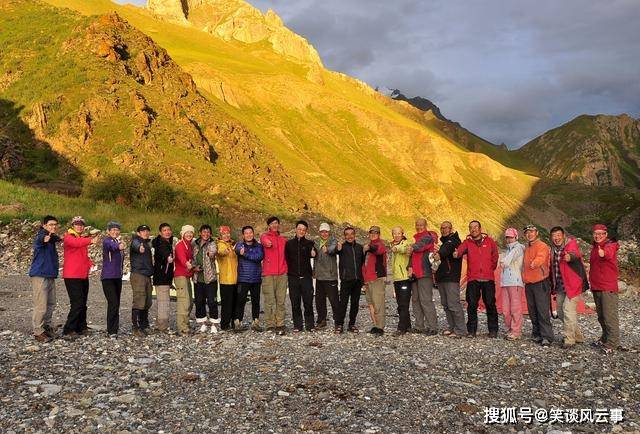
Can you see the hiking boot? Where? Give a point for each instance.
(70, 336)
(337, 330)
(537, 339)
(431, 332)
(203, 328)
(255, 325)
(447, 333)
(471, 335)
(49, 332)
(399, 333)
(492, 335)
(321, 325)
(545, 343)
(138, 333)
(353, 329)
(43, 338)
(281, 331)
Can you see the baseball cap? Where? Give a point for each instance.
(324, 227)
(113, 225)
(530, 228)
(78, 220)
(375, 229)
(511, 232)
(143, 228)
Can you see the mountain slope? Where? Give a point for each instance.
(592, 150)
(356, 155)
(433, 118)
(109, 110)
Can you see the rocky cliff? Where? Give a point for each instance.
(237, 20)
(592, 150)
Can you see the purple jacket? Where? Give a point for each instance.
(111, 259)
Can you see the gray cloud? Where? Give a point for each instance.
(506, 70)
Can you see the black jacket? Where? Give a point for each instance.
(297, 253)
(351, 260)
(162, 271)
(141, 263)
(450, 268)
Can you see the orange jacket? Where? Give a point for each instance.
(538, 254)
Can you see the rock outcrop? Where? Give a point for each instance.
(174, 10)
(237, 20)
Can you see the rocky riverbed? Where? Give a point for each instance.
(258, 382)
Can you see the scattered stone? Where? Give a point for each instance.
(125, 399)
(191, 376)
(350, 383)
(512, 361)
(49, 389)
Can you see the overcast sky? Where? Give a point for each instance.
(506, 70)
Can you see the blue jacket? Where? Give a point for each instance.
(45, 256)
(250, 264)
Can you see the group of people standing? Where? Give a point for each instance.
(342, 269)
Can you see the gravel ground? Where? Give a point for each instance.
(258, 382)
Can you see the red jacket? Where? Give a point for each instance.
(603, 273)
(274, 262)
(482, 257)
(183, 253)
(425, 244)
(375, 261)
(76, 257)
(572, 272)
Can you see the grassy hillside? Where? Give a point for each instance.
(20, 201)
(94, 105)
(593, 150)
(356, 155)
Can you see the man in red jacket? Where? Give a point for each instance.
(274, 277)
(482, 260)
(75, 272)
(568, 281)
(603, 277)
(374, 272)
